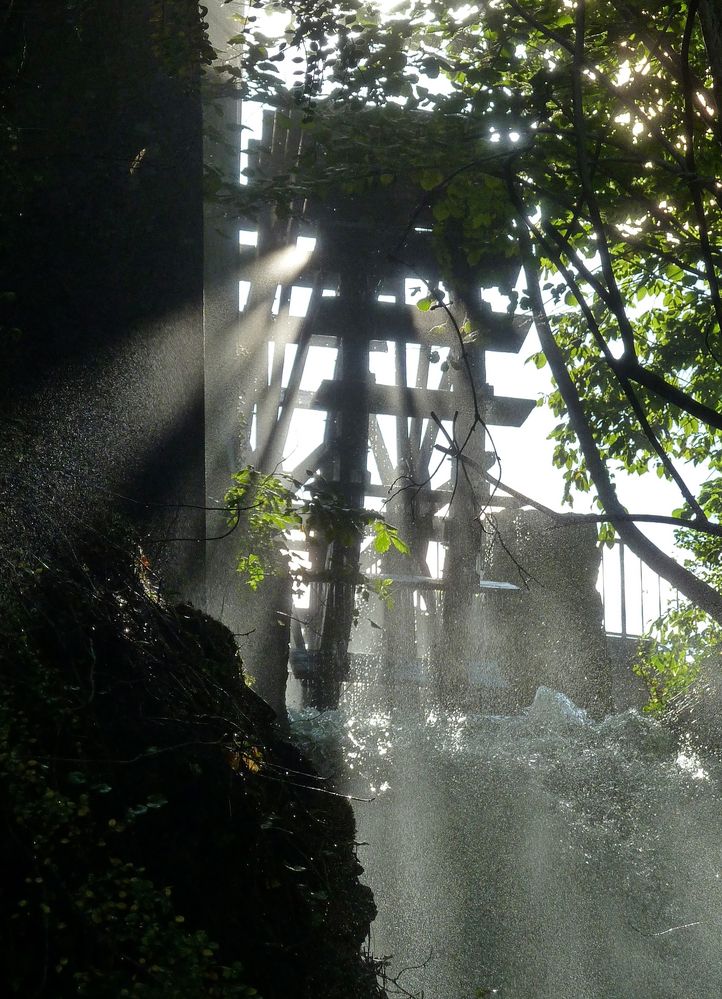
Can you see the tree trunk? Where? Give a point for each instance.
(710, 15)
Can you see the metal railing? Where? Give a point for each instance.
(633, 595)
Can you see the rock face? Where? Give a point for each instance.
(552, 633)
(101, 259)
(159, 838)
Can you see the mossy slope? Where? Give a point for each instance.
(159, 838)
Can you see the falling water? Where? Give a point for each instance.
(532, 856)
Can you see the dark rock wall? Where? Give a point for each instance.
(102, 249)
(159, 838)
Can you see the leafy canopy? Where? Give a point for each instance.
(592, 126)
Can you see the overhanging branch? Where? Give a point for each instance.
(694, 589)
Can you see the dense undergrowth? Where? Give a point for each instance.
(158, 838)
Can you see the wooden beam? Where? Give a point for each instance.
(379, 450)
(431, 583)
(312, 462)
(278, 444)
(422, 381)
(403, 449)
(406, 323)
(395, 401)
(431, 434)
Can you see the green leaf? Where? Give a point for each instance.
(399, 545)
(430, 179)
(382, 539)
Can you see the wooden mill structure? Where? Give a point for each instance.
(335, 291)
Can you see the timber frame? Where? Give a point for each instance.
(356, 289)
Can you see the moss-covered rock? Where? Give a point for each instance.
(159, 838)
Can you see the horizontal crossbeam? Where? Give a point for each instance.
(396, 321)
(333, 396)
(431, 583)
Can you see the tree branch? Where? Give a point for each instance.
(715, 530)
(618, 368)
(694, 589)
(670, 393)
(628, 367)
(614, 295)
(693, 179)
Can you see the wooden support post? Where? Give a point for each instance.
(353, 436)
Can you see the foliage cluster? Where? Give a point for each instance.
(533, 101)
(670, 658)
(276, 506)
(685, 640)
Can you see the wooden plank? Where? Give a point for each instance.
(312, 462)
(435, 583)
(438, 497)
(422, 382)
(396, 321)
(380, 452)
(277, 325)
(395, 401)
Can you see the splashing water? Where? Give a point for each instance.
(537, 856)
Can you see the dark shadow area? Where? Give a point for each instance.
(102, 259)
